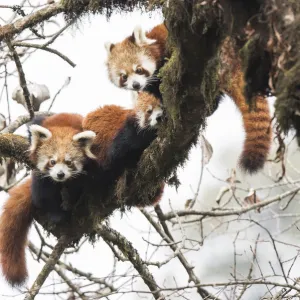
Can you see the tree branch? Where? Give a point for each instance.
(16, 147)
(110, 235)
(48, 267)
(22, 78)
(41, 47)
(21, 120)
(35, 18)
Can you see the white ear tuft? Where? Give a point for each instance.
(109, 46)
(38, 133)
(86, 139)
(140, 37)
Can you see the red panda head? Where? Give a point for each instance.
(148, 110)
(60, 152)
(132, 62)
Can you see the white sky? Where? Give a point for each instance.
(90, 88)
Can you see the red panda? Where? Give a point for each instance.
(60, 151)
(133, 63)
(123, 134)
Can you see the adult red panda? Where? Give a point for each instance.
(61, 152)
(133, 63)
(123, 134)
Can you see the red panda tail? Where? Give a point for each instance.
(257, 125)
(258, 136)
(15, 222)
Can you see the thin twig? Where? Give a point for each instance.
(48, 267)
(51, 50)
(110, 235)
(22, 78)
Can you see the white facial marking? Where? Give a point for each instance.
(147, 63)
(141, 119)
(134, 67)
(42, 162)
(134, 97)
(60, 168)
(115, 76)
(67, 157)
(157, 112)
(141, 79)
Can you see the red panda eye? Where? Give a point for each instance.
(68, 163)
(124, 77)
(139, 70)
(52, 162)
(149, 111)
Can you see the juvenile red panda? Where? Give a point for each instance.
(61, 152)
(133, 64)
(123, 134)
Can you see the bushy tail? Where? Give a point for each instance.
(15, 222)
(257, 124)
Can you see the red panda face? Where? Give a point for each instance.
(130, 63)
(149, 111)
(59, 153)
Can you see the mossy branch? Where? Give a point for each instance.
(16, 147)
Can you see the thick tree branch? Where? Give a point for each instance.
(21, 120)
(16, 147)
(30, 20)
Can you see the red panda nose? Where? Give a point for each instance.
(60, 175)
(136, 85)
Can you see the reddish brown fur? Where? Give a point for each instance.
(15, 222)
(63, 127)
(105, 122)
(17, 216)
(64, 120)
(160, 34)
(256, 123)
(125, 54)
(108, 120)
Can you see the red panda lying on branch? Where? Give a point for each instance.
(60, 151)
(67, 151)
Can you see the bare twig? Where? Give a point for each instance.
(231, 212)
(22, 78)
(30, 20)
(51, 50)
(110, 235)
(48, 267)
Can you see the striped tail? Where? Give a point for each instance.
(15, 222)
(257, 125)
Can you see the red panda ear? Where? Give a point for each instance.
(139, 37)
(109, 46)
(85, 140)
(38, 134)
